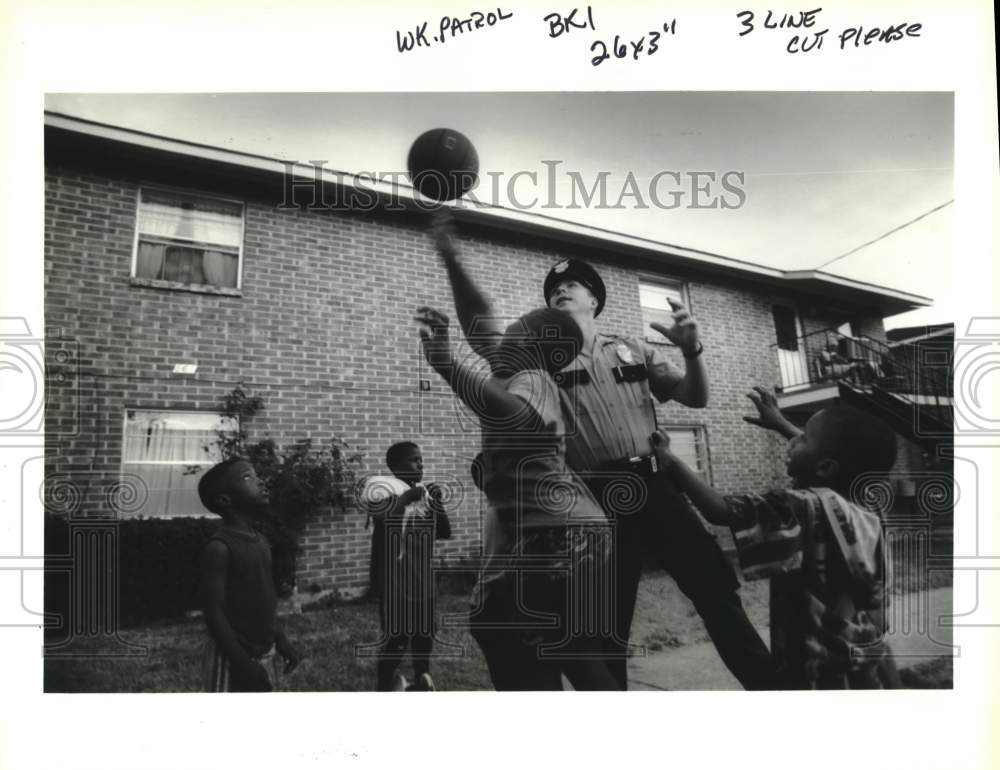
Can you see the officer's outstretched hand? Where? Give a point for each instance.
(434, 337)
(684, 332)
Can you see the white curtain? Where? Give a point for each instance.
(212, 228)
(186, 265)
(149, 260)
(160, 447)
(206, 222)
(220, 269)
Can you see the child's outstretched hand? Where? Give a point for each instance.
(661, 446)
(443, 232)
(769, 416)
(434, 337)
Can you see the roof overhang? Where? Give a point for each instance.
(914, 338)
(615, 246)
(839, 287)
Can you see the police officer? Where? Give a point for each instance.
(610, 418)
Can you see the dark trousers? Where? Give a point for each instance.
(544, 616)
(405, 599)
(496, 626)
(669, 530)
(376, 566)
(513, 666)
(407, 625)
(394, 648)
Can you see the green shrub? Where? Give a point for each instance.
(301, 478)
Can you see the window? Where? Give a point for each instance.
(850, 329)
(656, 309)
(189, 240)
(786, 327)
(688, 442)
(170, 451)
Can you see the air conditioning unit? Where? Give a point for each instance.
(851, 348)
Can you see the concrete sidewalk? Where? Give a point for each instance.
(920, 631)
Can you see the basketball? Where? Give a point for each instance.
(443, 164)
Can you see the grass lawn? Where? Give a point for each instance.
(328, 638)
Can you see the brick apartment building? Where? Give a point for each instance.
(161, 255)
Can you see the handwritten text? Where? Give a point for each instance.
(804, 42)
(448, 28)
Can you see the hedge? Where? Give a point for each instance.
(158, 565)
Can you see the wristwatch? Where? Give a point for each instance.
(697, 353)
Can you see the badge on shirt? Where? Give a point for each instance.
(625, 354)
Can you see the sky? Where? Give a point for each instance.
(822, 173)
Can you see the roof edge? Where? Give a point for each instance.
(493, 215)
(843, 281)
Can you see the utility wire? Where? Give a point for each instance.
(885, 235)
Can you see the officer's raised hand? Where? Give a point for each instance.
(684, 332)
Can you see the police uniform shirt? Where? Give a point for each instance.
(606, 401)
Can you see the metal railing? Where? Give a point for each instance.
(827, 357)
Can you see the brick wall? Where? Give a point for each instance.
(323, 332)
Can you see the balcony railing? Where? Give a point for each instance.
(827, 357)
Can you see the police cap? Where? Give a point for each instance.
(580, 271)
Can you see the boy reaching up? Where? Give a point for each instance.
(823, 553)
(556, 539)
(239, 598)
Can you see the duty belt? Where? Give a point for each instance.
(642, 466)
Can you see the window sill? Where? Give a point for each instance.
(194, 288)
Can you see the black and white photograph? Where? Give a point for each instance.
(731, 470)
(369, 411)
